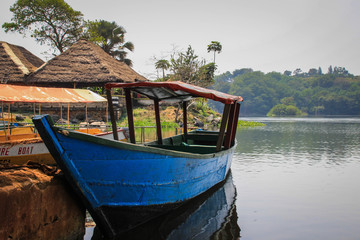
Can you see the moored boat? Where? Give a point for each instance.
(125, 184)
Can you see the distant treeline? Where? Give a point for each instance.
(335, 93)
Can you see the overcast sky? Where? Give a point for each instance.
(265, 35)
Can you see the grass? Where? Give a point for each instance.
(243, 123)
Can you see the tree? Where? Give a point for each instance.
(215, 47)
(319, 71)
(162, 64)
(52, 22)
(186, 67)
(312, 72)
(111, 38)
(287, 73)
(330, 70)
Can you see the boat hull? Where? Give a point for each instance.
(20, 152)
(22, 148)
(124, 185)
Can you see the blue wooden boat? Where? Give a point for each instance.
(125, 184)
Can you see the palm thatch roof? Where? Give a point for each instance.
(16, 62)
(84, 64)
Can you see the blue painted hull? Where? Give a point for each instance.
(124, 185)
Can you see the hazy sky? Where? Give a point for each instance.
(265, 35)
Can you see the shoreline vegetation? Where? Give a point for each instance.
(199, 115)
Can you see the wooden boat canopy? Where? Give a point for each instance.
(175, 91)
(181, 92)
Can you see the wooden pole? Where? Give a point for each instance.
(107, 118)
(130, 115)
(9, 118)
(3, 118)
(185, 118)
(237, 112)
(158, 122)
(229, 128)
(222, 127)
(39, 108)
(112, 116)
(86, 119)
(68, 115)
(61, 111)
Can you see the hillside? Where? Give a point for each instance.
(314, 94)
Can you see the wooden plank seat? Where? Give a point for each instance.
(199, 149)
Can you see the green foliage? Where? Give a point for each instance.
(186, 67)
(284, 110)
(215, 47)
(111, 38)
(327, 94)
(242, 123)
(51, 22)
(162, 64)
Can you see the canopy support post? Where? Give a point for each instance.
(222, 127)
(3, 118)
(237, 112)
(68, 115)
(112, 115)
(229, 128)
(9, 118)
(185, 118)
(86, 119)
(158, 122)
(130, 115)
(61, 111)
(107, 118)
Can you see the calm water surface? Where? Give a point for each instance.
(299, 179)
(295, 178)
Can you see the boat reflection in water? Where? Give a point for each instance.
(209, 216)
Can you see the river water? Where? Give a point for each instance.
(299, 179)
(295, 178)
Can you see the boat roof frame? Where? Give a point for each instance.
(183, 92)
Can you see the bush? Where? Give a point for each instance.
(284, 110)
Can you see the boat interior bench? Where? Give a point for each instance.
(194, 142)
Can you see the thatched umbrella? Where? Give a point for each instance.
(16, 62)
(84, 64)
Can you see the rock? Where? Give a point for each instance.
(19, 118)
(38, 206)
(210, 118)
(198, 123)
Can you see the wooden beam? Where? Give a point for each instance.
(158, 122)
(185, 118)
(86, 119)
(229, 128)
(112, 115)
(222, 127)
(130, 115)
(68, 115)
(237, 112)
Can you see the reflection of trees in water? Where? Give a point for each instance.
(210, 216)
(334, 142)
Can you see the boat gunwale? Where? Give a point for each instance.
(137, 147)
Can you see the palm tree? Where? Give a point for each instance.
(214, 46)
(164, 65)
(111, 38)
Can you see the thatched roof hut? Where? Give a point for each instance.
(84, 64)
(16, 62)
